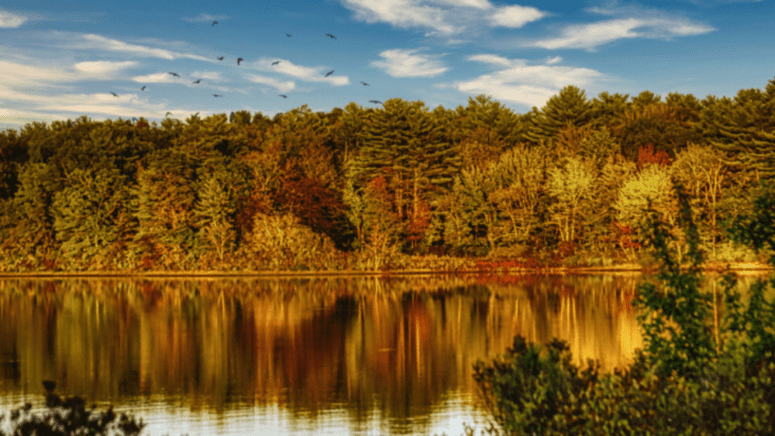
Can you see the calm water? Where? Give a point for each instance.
(296, 356)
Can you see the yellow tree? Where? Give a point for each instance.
(570, 183)
(702, 171)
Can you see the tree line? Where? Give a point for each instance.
(373, 188)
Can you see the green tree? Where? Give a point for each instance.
(744, 128)
(569, 107)
(90, 218)
(702, 171)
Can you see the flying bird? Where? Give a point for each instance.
(288, 35)
(174, 74)
(114, 94)
(220, 58)
(214, 23)
(331, 36)
(239, 60)
(375, 101)
(168, 114)
(197, 81)
(275, 62)
(365, 84)
(217, 95)
(142, 89)
(329, 73)
(283, 95)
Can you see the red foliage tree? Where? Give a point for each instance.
(647, 155)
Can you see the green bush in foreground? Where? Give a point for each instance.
(685, 381)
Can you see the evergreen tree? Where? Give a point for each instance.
(744, 128)
(569, 107)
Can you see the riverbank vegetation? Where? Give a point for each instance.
(689, 379)
(388, 188)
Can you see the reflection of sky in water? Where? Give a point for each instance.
(164, 417)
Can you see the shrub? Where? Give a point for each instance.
(684, 382)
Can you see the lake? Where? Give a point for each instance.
(326, 355)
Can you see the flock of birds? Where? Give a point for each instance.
(239, 61)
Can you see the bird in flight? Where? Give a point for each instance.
(142, 89)
(197, 81)
(174, 74)
(375, 101)
(329, 73)
(239, 60)
(220, 58)
(365, 84)
(283, 95)
(217, 95)
(288, 35)
(330, 36)
(114, 94)
(275, 62)
(168, 114)
(214, 23)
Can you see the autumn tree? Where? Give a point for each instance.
(569, 107)
(744, 129)
(570, 183)
(705, 176)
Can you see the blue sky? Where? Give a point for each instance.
(63, 59)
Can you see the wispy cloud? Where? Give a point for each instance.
(103, 44)
(11, 21)
(406, 63)
(274, 83)
(443, 17)
(589, 36)
(104, 67)
(308, 74)
(204, 18)
(517, 81)
(627, 22)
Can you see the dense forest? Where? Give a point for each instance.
(392, 187)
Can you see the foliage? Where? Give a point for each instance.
(68, 417)
(559, 184)
(684, 382)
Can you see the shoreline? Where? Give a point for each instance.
(625, 268)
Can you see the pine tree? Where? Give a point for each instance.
(569, 107)
(744, 128)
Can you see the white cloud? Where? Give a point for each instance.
(554, 60)
(444, 17)
(29, 76)
(11, 21)
(308, 74)
(405, 63)
(157, 78)
(103, 67)
(204, 18)
(400, 13)
(521, 83)
(101, 43)
(274, 83)
(515, 16)
(490, 59)
(589, 36)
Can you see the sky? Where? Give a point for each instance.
(64, 59)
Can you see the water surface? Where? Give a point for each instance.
(238, 356)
